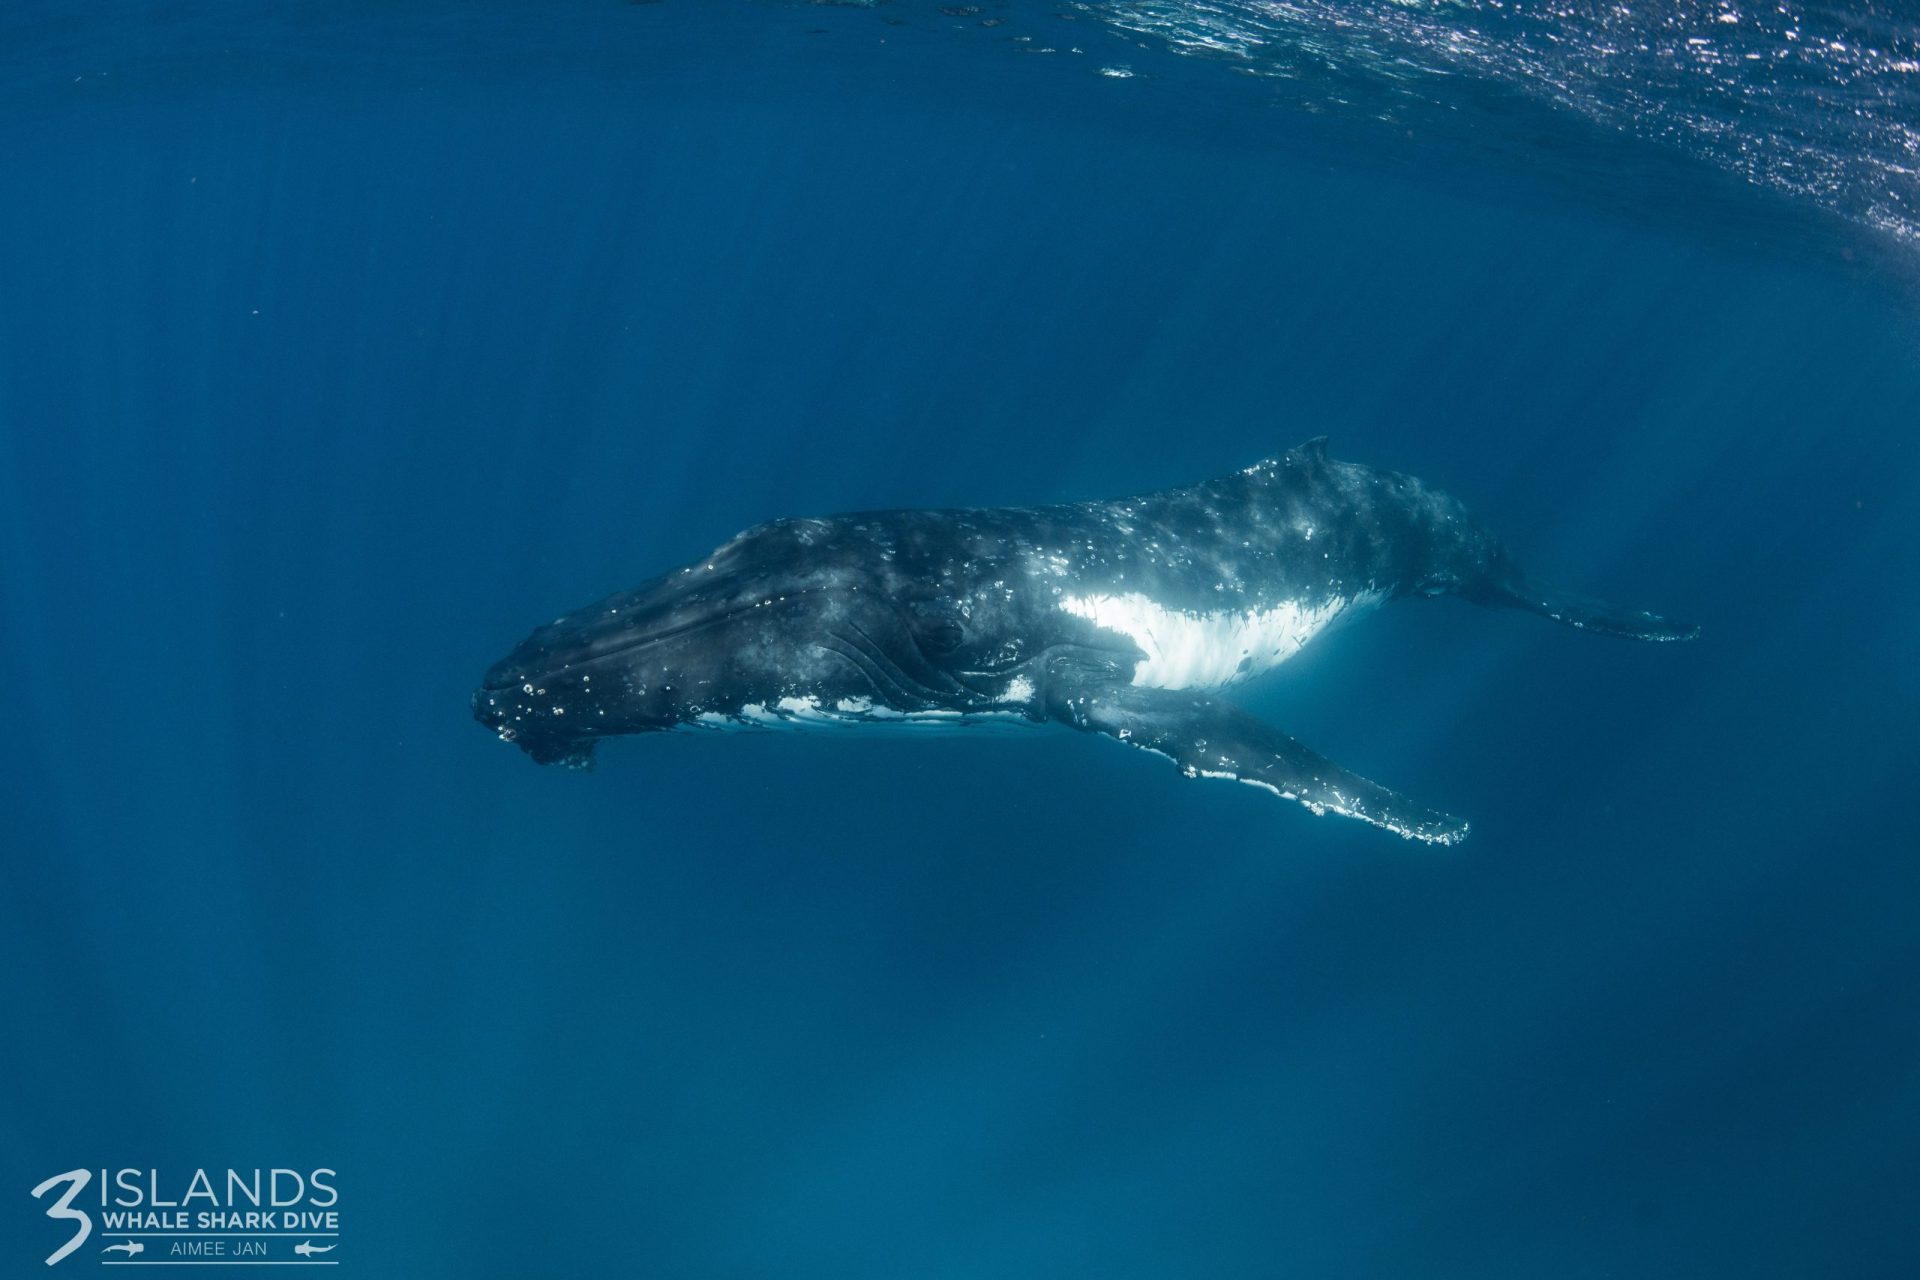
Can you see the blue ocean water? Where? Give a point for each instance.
(342, 344)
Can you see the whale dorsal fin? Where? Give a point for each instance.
(1312, 455)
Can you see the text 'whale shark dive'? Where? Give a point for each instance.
(1123, 618)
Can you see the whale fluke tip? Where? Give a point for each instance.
(1588, 614)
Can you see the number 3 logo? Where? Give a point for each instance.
(63, 1208)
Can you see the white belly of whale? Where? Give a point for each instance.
(1185, 650)
(809, 712)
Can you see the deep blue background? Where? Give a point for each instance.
(337, 352)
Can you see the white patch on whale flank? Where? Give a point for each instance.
(1185, 650)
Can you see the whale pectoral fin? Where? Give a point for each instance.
(1589, 614)
(1207, 738)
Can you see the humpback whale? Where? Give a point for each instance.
(1125, 618)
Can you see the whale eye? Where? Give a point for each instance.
(940, 635)
(937, 628)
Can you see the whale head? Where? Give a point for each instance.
(794, 623)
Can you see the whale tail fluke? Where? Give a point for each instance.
(1589, 614)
